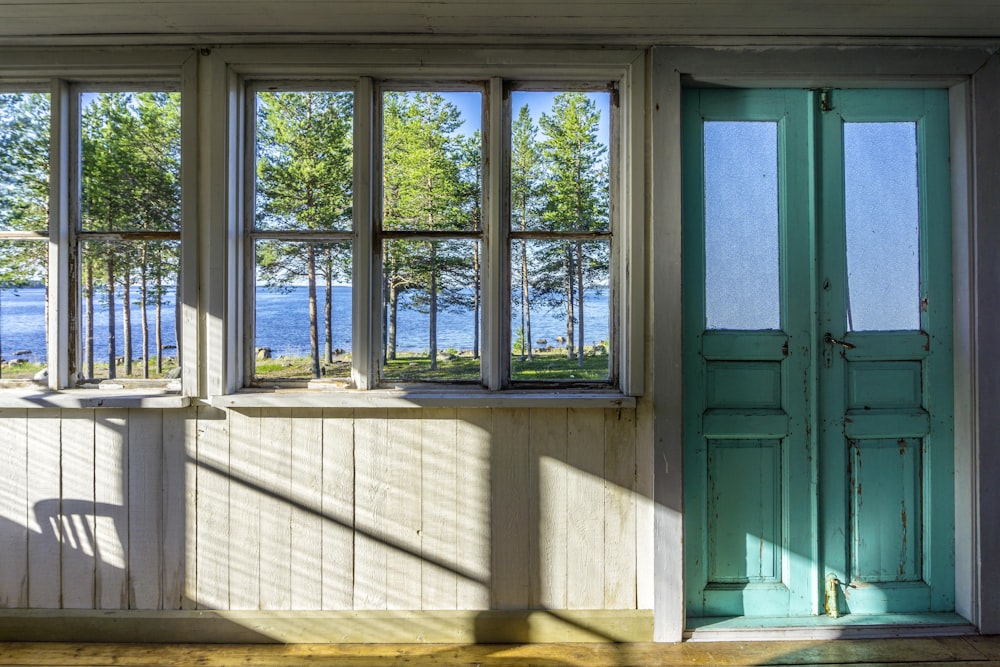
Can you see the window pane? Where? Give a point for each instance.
(559, 161)
(304, 157)
(131, 161)
(882, 207)
(432, 157)
(559, 317)
(741, 225)
(23, 319)
(432, 306)
(128, 313)
(302, 314)
(24, 165)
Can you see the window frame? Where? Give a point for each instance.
(63, 75)
(621, 72)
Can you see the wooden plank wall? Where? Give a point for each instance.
(308, 509)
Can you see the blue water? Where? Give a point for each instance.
(282, 324)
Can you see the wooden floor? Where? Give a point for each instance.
(978, 651)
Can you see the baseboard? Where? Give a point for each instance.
(333, 627)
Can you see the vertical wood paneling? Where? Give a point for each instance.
(585, 509)
(511, 493)
(339, 477)
(306, 513)
(619, 510)
(212, 509)
(44, 578)
(473, 493)
(371, 557)
(77, 516)
(439, 498)
(145, 511)
(402, 524)
(645, 544)
(110, 493)
(275, 510)
(547, 432)
(14, 508)
(177, 427)
(244, 509)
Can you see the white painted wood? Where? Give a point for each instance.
(90, 398)
(14, 509)
(986, 387)
(340, 478)
(620, 502)
(306, 520)
(62, 154)
(190, 346)
(274, 495)
(213, 488)
(473, 492)
(547, 433)
(496, 221)
(585, 511)
(145, 509)
(440, 497)
(422, 397)
(363, 363)
(401, 524)
(372, 458)
(111, 493)
(665, 328)
(632, 229)
(514, 536)
(76, 509)
(645, 539)
(244, 528)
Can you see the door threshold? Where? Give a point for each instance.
(849, 626)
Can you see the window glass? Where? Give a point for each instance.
(742, 289)
(431, 226)
(130, 221)
(560, 235)
(24, 194)
(301, 231)
(882, 208)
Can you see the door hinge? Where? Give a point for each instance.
(824, 101)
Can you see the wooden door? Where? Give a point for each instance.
(817, 369)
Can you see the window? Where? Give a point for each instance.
(386, 245)
(24, 194)
(99, 309)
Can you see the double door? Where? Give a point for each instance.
(817, 361)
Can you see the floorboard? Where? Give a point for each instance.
(925, 652)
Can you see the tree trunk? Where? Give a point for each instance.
(476, 289)
(127, 322)
(328, 308)
(432, 329)
(313, 314)
(159, 320)
(392, 317)
(526, 304)
(88, 336)
(579, 299)
(570, 289)
(112, 344)
(144, 318)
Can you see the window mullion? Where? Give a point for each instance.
(496, 274)
(366, 258)
(64, 207)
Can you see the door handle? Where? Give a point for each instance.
(835, 341)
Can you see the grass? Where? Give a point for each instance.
(457, 367)
(28, 370)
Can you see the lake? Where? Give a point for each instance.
(283, 324)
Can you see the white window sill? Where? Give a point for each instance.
(424, 397)
(91, 398)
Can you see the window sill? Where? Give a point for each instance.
(436, 397)
(91, 398)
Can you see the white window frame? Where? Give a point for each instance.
(438, 69)
(64, 75)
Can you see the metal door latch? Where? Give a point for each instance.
(836, 341)
(832, 606)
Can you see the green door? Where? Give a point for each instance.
(817, 361)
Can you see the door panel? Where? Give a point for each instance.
(817, 352)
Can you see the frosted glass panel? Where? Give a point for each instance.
(883, 226)
(741, 225)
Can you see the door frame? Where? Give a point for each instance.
(971, 74)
